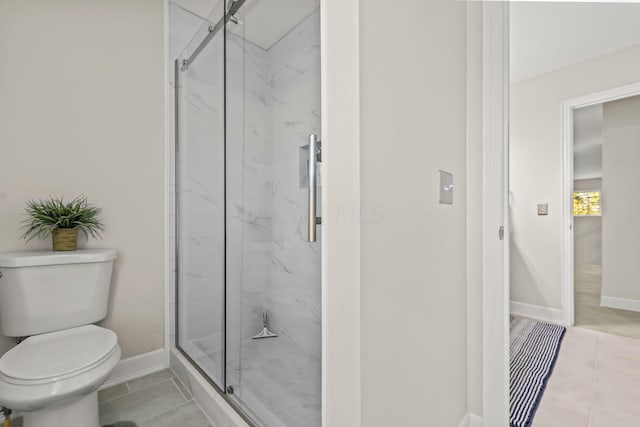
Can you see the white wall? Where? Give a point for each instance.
(621, 199)
(536, 165)
(413, 115)
(82, 111)
(587, 230)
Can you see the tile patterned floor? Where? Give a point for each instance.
(156, 400)
(595, 382)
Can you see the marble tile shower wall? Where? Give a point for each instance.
(294, 281)
(202, 209)
(249, 170)
(272, 105)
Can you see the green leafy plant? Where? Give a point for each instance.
(44, 216)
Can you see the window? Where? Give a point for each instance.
(586, 203)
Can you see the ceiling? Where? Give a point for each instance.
(548, 36)
(262, 22)
(202, 8)
(265, 22)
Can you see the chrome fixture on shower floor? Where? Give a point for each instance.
(265, 333)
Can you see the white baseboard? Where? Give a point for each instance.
(464, 422)
(621, 303)
(136, 367)
(475, 421)
(551, 315)
(470, 420)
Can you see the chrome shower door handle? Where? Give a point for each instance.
(314, 150)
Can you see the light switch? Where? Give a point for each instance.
(543, 209)
(446, 188)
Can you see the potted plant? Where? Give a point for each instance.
(62, 221)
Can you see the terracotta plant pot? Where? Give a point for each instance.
(65, 239)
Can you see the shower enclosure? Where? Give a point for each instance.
(247, 191)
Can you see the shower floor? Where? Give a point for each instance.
(274, 380)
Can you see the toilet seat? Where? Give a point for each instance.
(50, 367)
(57, 355)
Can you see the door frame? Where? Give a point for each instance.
(568, 261)
(340, 230)
(495, 258)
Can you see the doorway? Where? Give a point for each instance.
(562, 80)
(599, 132)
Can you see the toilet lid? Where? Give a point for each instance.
(58, 353)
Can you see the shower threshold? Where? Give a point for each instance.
(263, 381)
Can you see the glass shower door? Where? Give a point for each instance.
(273, 271)
(200, 201)
(248, 273)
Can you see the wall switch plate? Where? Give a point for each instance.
(446, 188)
(543, 208)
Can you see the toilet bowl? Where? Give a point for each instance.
(53, 378)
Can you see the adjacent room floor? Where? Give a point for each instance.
(591, 315)
(594, 383)
(157, 400)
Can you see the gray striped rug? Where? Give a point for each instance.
(534, 349)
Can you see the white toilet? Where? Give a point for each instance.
(53, 298)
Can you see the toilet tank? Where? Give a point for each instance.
(49, 291)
